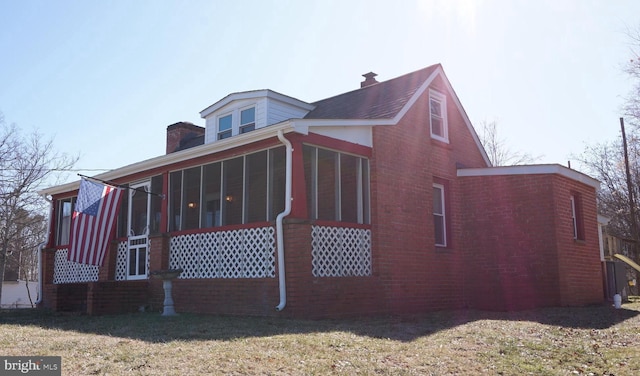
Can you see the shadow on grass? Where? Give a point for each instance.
(154, 328)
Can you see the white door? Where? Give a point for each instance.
(138, 238)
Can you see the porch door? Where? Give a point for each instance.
(138, 238)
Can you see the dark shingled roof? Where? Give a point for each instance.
(382, 100)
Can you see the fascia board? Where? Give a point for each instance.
(425, 85)
(181, 156)
(531, 170)
(265, 93)
(230, 98)
(342, 122)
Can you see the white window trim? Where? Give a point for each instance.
(443, 215)
(574, 219)
(218, 131)
(235, 120)
(240, 125)
(445, 124)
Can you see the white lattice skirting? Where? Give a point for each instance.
(121, 262)
(65, 271)
(243, 253)
(340, 251)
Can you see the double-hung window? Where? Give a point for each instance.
(239, 121)
(225, 126)
(576, 216)
(439, 216)
(247, 120)
(438, 116)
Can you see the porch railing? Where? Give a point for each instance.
(65, 271)
(340, 251)
(241, 253)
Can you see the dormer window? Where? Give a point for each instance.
(438, 116)
(247, 120)
(225, 126)
(237, 122)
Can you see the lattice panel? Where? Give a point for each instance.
(340, 251)
(65, 271)
(121, 262)
(243, 253)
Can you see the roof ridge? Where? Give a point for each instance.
(378, 83)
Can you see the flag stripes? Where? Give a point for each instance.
(92, 222)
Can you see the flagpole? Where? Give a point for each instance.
(122, 186)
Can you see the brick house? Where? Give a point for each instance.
(380, 200)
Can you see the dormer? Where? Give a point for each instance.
(246, 111)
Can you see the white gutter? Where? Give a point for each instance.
(180, 156)
(40, 247)
(279, 218)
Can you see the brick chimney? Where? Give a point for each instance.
(369, 79)
(179, 132)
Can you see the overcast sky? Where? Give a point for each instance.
(105, 78)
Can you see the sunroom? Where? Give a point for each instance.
(213, 212)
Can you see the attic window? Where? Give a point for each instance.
(438, 116)
(225, 127)
(247, 120)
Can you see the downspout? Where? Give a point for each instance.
(40, 247)
(279, 218)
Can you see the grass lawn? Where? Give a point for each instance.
(556, 341)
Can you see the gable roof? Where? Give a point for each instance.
(380, 104)
(381, 100)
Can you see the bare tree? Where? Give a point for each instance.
(498, 151)
(26, 163)
(606, 162)
(22, 254)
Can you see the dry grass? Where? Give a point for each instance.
(558, 341)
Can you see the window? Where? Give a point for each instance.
(247, 120)
(438, 116)
(576, 216)
(439, 216)
(156, 204)
(65, 210)
(240, 190)
(225, 127)
(237, 122)
(337, 185)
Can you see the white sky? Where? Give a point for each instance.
(105, 78)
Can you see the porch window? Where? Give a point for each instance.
(337, 185)
(233, 190)
(439, 216)
(63, 220)
(211, 205)
(241, 190)
(156, 204)
(255, 182)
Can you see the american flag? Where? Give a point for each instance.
(93, 218)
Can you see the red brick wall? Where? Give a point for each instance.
(578, 260)
(176, 132)
(111, 297)
(415, 274)
(519, 249)
(48, 288)
(321, 297)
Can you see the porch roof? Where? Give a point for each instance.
(181, 156)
